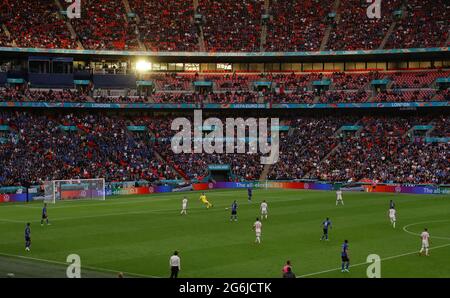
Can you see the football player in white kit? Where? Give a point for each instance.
(392, 216)
(184, 206)
(339, 197)
(425, 236)
(257, 227)
(263, 209)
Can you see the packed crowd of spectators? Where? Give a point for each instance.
(39, 149)
(385, 152)
(298, 26)
(105, 26)
(355, 31)
(231, 26)
(425, 24)
(195, 166)
(166, 25)
(169, 25)
(45, 146)
(36, 24)
(310, 140)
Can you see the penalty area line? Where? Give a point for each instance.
(367, 263)
(85, 267)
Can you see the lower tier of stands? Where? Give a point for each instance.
(39, 146)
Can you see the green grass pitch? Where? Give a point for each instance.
(137, 235)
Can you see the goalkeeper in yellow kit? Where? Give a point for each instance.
(205, 200)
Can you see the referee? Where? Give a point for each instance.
(174, 265)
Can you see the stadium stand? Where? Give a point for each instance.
(384, 151)
(405, 96)
(231, 26)
(424, 24)
(420, 79)
(344, 97)
(384, 148)
(100, 145)
(298, 26)
(39, 149)
(441, 127)
(105, 26)
(166, 25)
(172, 81)
(228, 26)
(345, 87)
(97, 109)
(355, 31)
(309, 142)
(36, 24)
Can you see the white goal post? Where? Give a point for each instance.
(74, 189)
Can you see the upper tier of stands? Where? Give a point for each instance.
(166, 25)
(224, 26)
(103, 25)
(35, 24)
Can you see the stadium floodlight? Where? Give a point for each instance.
(74, 189)
(143, 66)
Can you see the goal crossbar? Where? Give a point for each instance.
(74, 189)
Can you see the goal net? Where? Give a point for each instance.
(74, 189)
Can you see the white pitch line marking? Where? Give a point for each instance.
(405, 228)
(365, 263)
(86, 267)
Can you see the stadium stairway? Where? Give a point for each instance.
(316, 99)
(411, 130)
(69, 26)
(262, 44)
(336, 134)
(201, 38)
(128, 10)
(266, 170)
(127, 6)
(171, 165)
(428, 133)
(8, 34)
(327, 33)
(165, 161)
(390, 30)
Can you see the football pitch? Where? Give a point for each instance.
(137, 235)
